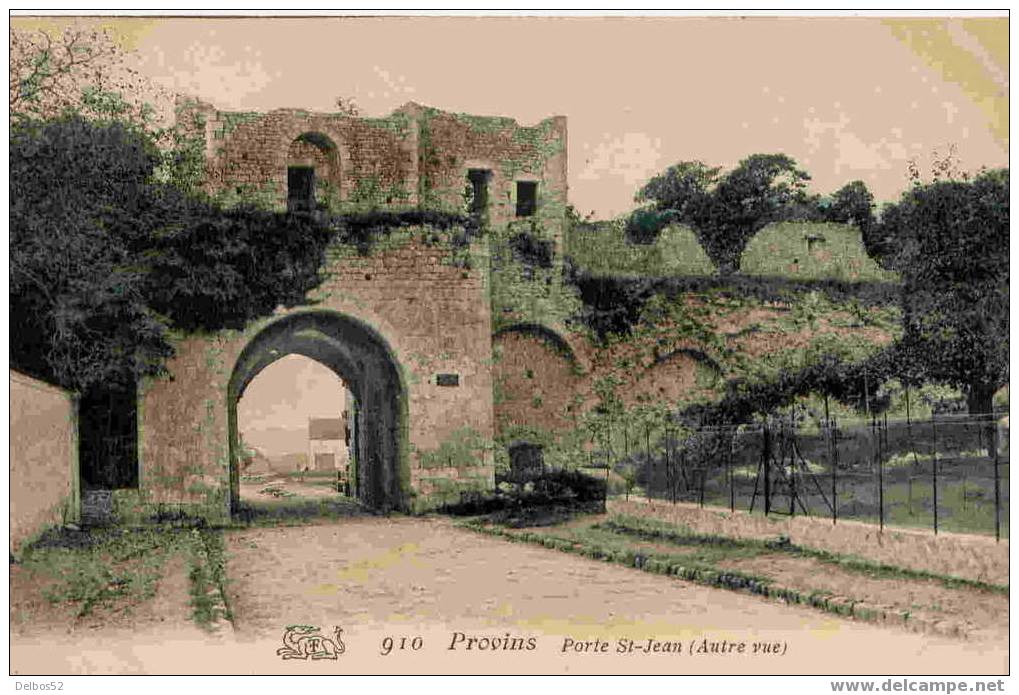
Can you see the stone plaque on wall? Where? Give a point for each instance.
(447, 379)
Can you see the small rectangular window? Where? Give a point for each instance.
(300, 188)
(478, 179)
(527, 198)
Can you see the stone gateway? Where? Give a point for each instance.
(408, 327)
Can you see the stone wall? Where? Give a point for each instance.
(436, 320)
(43, 457)
(416, 156)
(545, 383)
(451, 144)
(249, 152)
(535, 386)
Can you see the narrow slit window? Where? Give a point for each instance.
(527, 198)
(300, 189)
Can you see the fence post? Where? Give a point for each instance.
(668, 467)
(881, 478)
(767, 468)
(650, 465)
(909, 498)
(605, 497)
(728, 465)
(833, 435)
(997, 489)
(866, 391)
(791, 447)
(907, 404)
(704, 473)
(934, 448)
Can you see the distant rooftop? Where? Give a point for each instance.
(325, 428)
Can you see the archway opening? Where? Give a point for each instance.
(294, 427)
(353, 362)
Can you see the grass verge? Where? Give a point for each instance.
(650, 529)
(206, 557)
(112, 569)
(662, 548)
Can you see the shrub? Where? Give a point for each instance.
(551, 496)
(531, 251)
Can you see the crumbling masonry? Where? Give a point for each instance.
(407, 327)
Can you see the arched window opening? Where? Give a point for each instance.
(313, 170)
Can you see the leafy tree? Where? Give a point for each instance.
(650, 417)
(680, 187)
(852, 204)
(83, 71)
(78, 70)
(78, 311)
(725, 210)
(949, 241)
(105, 261)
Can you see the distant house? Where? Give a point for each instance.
(327, 444)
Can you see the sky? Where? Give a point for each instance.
(273, 413)
(848, 98)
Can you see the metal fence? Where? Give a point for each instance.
(947, 473)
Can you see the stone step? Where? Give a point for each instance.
(97, 507)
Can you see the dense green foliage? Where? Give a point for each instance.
(852, 204)
(949, 241)
(853, 383)
(106, 261)
(724, 210)
(613, 304)
(80, 209)
(531, 250)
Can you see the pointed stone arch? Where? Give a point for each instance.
(362, 358)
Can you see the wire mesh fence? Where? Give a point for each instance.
(947, 473)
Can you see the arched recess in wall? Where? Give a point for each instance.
(679, 375)
(364, 361)
(536, 376)
(698, 356)
(313, 171)
(546, 335)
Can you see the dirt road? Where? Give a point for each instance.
(423, 578)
